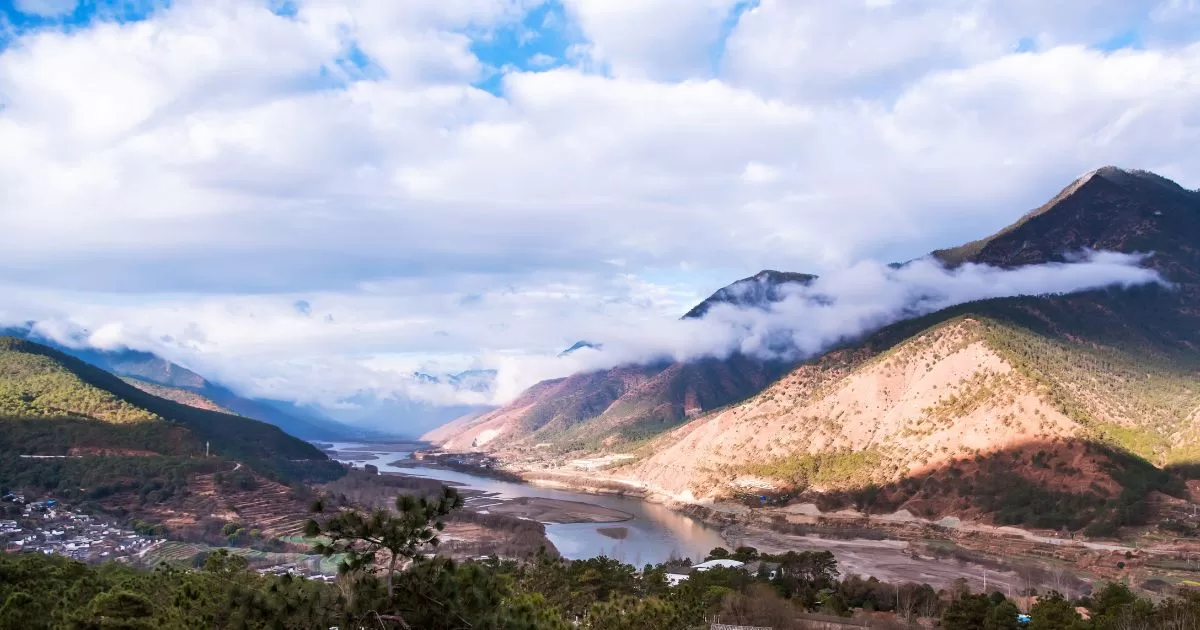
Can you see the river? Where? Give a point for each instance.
(654, 534)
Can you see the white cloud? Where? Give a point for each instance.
(542, 60)
(759, 173)
(820, 50)
(371, 339)
(217, 159)
(375, 338)
(850, 302)
(660, 39)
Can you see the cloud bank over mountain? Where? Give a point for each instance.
(810, 318)
(851, 302)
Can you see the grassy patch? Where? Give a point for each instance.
(837, 469)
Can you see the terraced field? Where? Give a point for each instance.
(270, 507)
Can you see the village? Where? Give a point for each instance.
(50, 528)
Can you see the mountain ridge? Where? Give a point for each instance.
(1102, 381)
(633, 402)
(41, 383)
(189, 385)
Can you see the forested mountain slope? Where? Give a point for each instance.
(175, 382)
(57, 401)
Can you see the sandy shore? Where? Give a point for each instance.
(352, 456)
(542, 510)
(557, 511)
(890, 561)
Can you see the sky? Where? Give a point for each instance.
(311, 198)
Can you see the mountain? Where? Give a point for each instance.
(177, 394)
(758, 291)
(165, 379)
(629, 402)
(580, 345)
(1053, 411)
(51, 403)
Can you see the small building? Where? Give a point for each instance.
(768, 570)
(723, 563)
(675, 575)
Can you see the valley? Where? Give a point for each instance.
(1012, 444)
(899, 545)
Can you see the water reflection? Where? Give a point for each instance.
(654, 534)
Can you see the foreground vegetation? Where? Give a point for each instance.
(387, 581)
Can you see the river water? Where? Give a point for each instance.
(654, 534)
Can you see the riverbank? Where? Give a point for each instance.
(557, 511)
(901, 545)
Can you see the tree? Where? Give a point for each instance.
(1053, 612)
(967, 612)
(19, 611)
(718, 553)
(1003, 616)
(745, 554)
(1116, 607)
(119, 609)
(221, 562)
(403, 534)
(758, 605)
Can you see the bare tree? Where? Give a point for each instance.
(905, 603)
(1058, 579)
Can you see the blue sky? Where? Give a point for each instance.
(480, 183)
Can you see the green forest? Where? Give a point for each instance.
(51, 403)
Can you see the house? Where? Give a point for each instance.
(675, 575)
(765, 569)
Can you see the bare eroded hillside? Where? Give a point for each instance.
(942, 396)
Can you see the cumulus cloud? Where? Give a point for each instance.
(660, 39)
(218, 146)
(195, 173)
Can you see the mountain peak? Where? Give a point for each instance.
(757, 291)
(1109, 208)
(580, 345)
(780, 277)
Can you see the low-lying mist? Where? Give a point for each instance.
(848, 304)
(374, 350)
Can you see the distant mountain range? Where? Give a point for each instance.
(1068, 411)
(164, 378)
